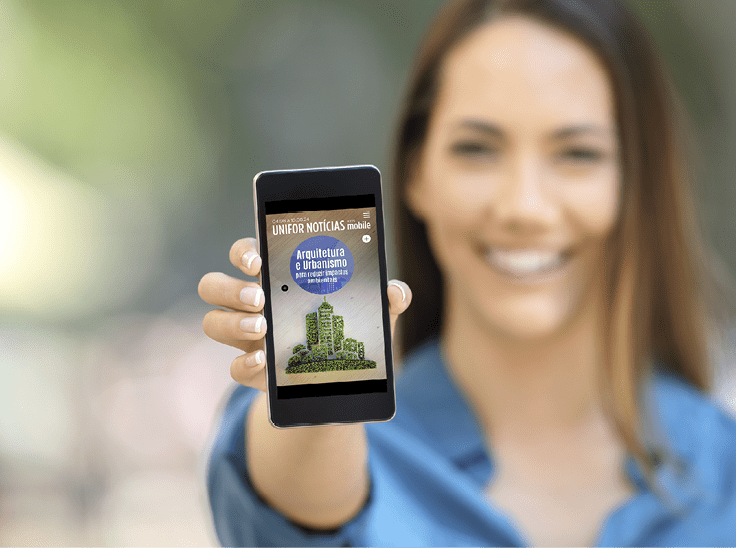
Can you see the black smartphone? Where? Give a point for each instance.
(328, 342)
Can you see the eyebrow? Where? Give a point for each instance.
(482, 126)
(559, 134)
(571, 131)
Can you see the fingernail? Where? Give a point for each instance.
(403, 293)
(255, 359)
(252, 324)
(248, 258)
(251, 295)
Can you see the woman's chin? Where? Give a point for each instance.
(529, 323)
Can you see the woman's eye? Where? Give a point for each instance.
(581, 155)
(472, 149)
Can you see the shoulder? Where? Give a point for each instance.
(418, 364)
(416, 387)
(431, 408)
(690, 414)
(700, 432)
(423, 386)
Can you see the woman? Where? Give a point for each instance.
(558, 338)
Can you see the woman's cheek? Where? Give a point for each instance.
(463, 199)
(595, 207)
(449, 208)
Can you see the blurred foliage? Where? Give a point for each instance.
(169, 108)
(92, 89)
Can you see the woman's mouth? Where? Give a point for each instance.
(527, 264)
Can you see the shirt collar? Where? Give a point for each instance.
(431, 396)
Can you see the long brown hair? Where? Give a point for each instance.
(661, 295)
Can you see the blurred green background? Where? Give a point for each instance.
(129, 136)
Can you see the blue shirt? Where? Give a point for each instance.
(429, 466)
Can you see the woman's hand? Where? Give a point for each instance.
(243, 326)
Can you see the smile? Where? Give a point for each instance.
(527, 264)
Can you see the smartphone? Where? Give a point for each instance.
(328, 343)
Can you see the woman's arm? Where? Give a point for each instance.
(316, 476)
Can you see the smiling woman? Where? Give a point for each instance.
(518, 187)
(518, 184)
(541, 166)
(543, 144)
(555, 389)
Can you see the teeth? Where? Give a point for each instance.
(521, 263)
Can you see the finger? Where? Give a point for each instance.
(249, 369)
(244, 255)
(222, 290)
(234, 328)
(399, 299)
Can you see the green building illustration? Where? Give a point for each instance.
(326, 347)
(312, 330)
(338, 332)
(326, 328)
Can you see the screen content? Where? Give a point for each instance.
(325, 296)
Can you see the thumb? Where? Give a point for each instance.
(399, 298)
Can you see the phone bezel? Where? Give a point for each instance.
(327, 182)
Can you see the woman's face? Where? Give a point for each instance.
(518, 181)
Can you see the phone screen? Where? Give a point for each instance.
(325, 295)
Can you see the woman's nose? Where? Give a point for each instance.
(525, 200)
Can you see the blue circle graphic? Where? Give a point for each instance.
(321, 265)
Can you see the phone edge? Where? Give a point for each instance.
(258, 241)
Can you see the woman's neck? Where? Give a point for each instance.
(522, 390)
